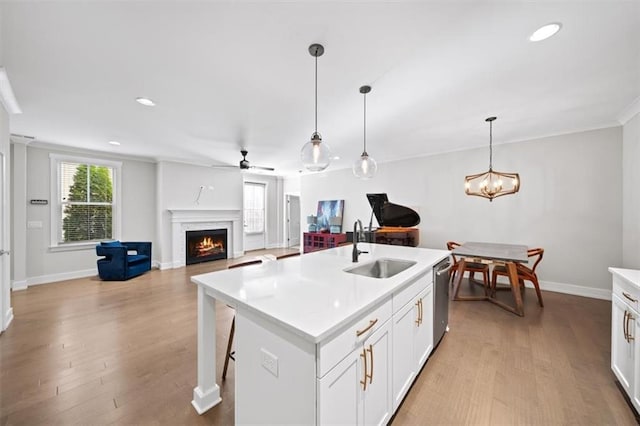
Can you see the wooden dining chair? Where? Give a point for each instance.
(471, 267)
(524, 273)
(230, 354)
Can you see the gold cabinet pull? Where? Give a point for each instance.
(629, 336)
(371, 355)
(364, 381)
(418, 313)
(628, 296)
(624, 326)
(421, 311)
(367, 328)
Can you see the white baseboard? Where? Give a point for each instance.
(19, 285)
(8, 317)
(576, 290)
(564, 288)
(165, 265)
(45, 279)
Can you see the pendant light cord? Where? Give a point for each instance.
(316, 91)
(365, 122)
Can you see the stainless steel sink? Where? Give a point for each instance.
(381, 268)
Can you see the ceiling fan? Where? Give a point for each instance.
(245, 165)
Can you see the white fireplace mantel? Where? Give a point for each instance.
(183, 220)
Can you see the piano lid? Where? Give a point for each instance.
(389, 214)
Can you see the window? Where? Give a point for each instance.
(84, 206)
(254, 207)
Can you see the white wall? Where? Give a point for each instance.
(570, 202)
(631, 193)
(138, 216)
(177, 188)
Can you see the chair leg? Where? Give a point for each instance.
(494, 279)
(538, 292)
(229, 344)
(486, 282)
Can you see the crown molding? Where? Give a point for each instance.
(21, 139)
(629, 112)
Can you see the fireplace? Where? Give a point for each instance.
(205, 245)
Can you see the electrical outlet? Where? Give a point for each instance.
(269, 361)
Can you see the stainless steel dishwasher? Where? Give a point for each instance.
(440, 299)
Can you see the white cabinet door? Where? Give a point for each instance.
(339, 392)
(632, 331)
(376, 398)
(423, 333)
(405, 321)
(622, 349)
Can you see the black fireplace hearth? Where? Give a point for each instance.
(206, 245)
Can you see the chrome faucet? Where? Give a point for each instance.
(356, 237)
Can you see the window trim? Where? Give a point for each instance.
(56, 205)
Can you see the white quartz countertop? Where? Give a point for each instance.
(311, 295)
(630, 275)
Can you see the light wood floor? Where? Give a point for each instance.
(91, 352)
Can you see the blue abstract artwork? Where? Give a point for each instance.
(328, 210)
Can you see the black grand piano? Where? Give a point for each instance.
(397, 224)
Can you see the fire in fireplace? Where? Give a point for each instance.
(207, 245)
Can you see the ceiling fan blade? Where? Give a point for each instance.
(271, 169)
(223, 166)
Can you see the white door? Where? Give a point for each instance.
(423, 342)
(404, 365)
(377, 398)
(339, 392)
(5, 293)
(293, 221)
(622, 350)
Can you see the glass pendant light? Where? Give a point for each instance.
(365, 167)
(316, 155)
(491, 184)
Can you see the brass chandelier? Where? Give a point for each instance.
(491, 184)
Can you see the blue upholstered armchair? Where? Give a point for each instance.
(118, 265)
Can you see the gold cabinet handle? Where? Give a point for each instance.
(628, 296)
(371, 355)
(364, 381)
(421, 311)
(367, 328)
(418, 313)
(629, 336)
(624, 326)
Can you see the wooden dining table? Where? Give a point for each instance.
(492, 253)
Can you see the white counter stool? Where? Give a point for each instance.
(229, 355)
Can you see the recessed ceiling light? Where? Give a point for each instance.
(146, 102)
(116, 143)
(545, 32)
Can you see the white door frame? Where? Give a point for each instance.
(295, 241)
(5, 264)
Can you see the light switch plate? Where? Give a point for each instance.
(269, 361)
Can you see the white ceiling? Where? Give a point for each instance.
(233, 74)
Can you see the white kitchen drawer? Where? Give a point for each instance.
(333, 351)
(407, 294)
(626, 291)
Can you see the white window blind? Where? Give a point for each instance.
(254, 197)
(86, 204)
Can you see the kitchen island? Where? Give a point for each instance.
(316, 343)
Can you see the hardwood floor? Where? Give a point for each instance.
(91, 352)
